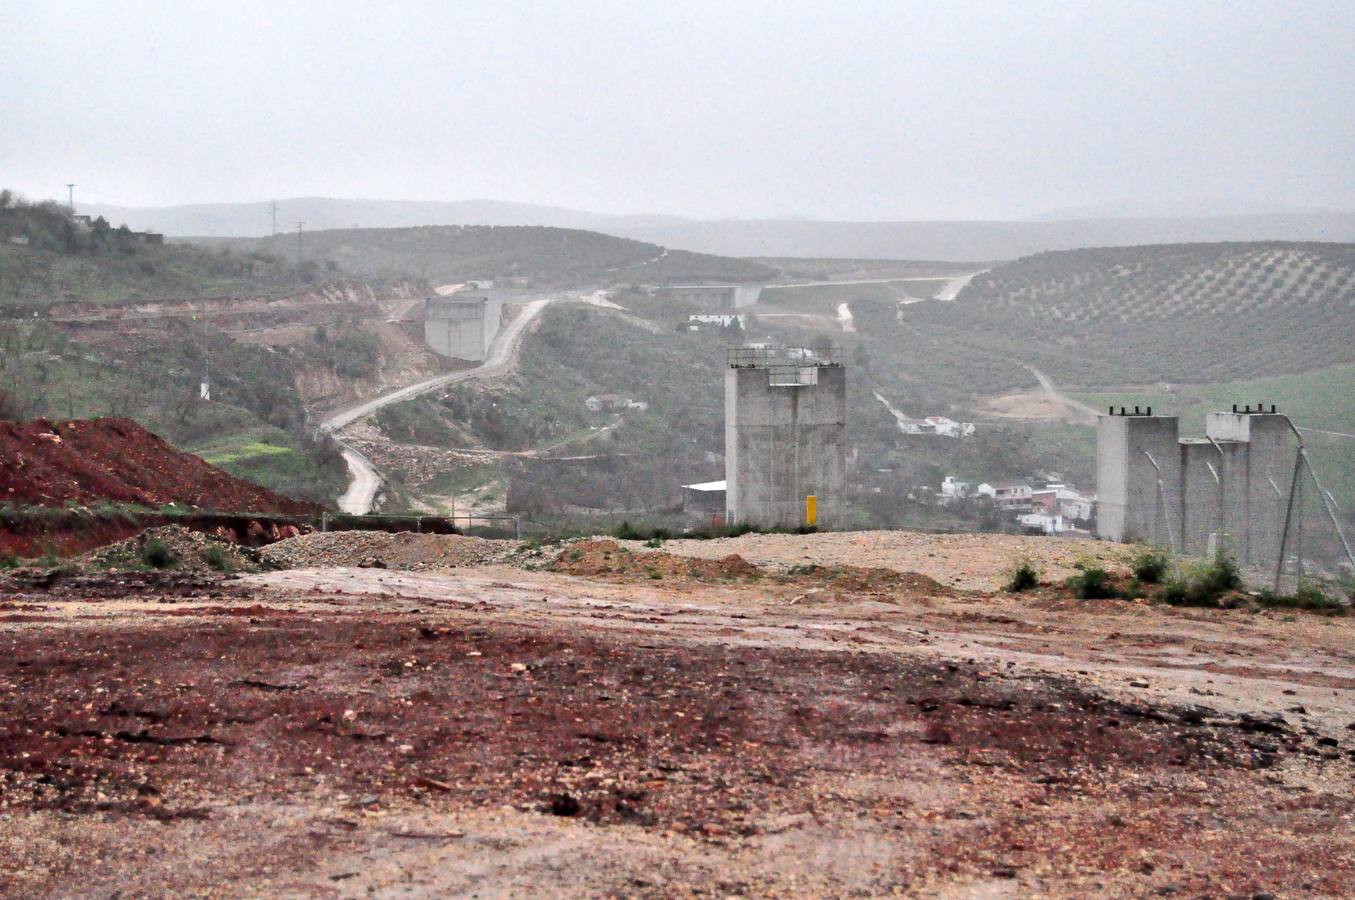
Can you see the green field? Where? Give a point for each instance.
(1324, 399)
(824, 298)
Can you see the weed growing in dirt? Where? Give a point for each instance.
(215, 557)
(8, 561)
(1092, 583)
(1151, 567)
(1024, 578)
(1308, 596)
(156, 554)
(1205, 586)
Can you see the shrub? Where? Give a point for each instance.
(156, 554)
(1205, 586)
(1308, 596)
(1024, 578)
(628, 532)
(1092, 583)
(216, 558)
(8, 560)
(1151, 567)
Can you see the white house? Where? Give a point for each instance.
(1012, 495)
(1046, 523)
(723, 320)
(1074, 505)
(949, 427)
(952, 490)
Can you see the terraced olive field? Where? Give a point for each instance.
(1192, 313)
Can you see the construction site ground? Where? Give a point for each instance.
(595, 720)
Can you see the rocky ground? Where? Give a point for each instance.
(604, 722)
(379, 550)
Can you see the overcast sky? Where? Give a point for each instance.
(834, 110)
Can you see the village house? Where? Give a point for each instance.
(604, 402)
(720, 320)
(613, 402)
(1012, 496)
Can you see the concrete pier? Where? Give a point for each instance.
(462, 326)
(785, 422)
(1227, 492)
(1138, 477)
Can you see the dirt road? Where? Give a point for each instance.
(1047, 385)
(609, 723)
(357, 500)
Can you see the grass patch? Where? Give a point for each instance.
(246, 451)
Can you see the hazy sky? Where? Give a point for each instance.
(832, 110)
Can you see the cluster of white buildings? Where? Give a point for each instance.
(939, 425)
(612, 403)
(1054, 508)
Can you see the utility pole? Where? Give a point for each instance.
(298, 243)
(70, 195)
(275, 217)
(205, 389)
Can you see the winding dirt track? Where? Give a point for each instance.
(357, 500)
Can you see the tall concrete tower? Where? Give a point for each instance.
(1138, 474)
(785, 423)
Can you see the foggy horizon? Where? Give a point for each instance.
(764, 111)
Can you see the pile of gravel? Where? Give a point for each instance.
(169, 548)
(378, 549)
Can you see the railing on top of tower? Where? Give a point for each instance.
(782, 357)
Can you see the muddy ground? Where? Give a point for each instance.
(610, 724)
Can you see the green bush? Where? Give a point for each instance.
(1151, 567)
(157, 555)
(1308, 596)
(1024, 578)
(216, 558)
(8, 560)
(1205, 586)
(1092, 583)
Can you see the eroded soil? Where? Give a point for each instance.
(717, 729)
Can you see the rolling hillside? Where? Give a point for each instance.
(48, 256)
(1117, 225)
(1194, 313)
(533, 255)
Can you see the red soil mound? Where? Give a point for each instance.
(116, 460)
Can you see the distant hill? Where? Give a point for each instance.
(935, 240)
(533, 255)
(1191, 313)
(327, 213)
(959, 241)
(48, 256)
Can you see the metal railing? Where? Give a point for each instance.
(781, 357)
